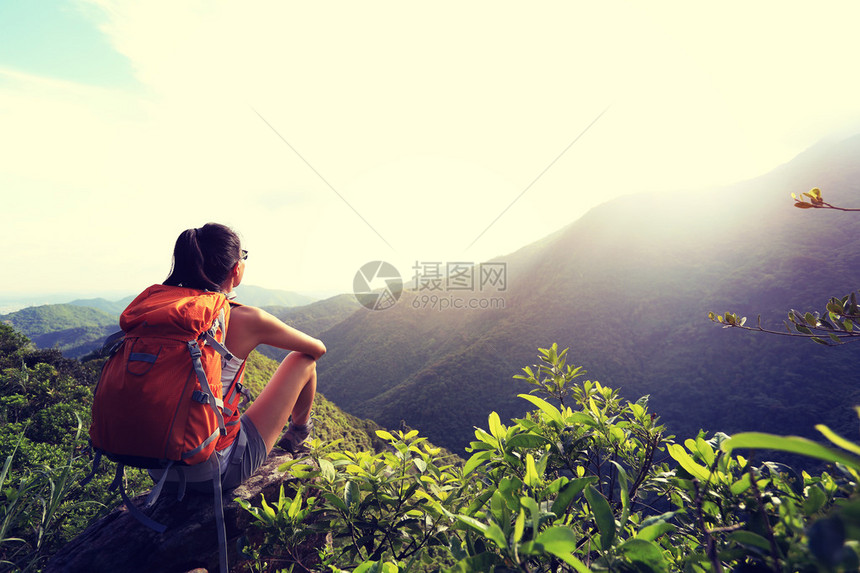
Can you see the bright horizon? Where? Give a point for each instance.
(333, 134)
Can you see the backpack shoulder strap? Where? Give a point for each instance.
(112, 343)
(214, 401)
(133, 509)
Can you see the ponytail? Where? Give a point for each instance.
(203, 258)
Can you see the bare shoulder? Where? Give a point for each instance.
(255, 320)
(244, 312)
(250, 326)
(250, 314)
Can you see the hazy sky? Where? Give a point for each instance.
(329, 134)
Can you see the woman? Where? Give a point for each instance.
(211, 258)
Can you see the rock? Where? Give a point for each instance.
(118, 542)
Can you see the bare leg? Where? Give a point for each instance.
(290, 391)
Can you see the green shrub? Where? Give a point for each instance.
(590, 483)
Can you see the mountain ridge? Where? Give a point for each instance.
(79, 327)
(628, 287)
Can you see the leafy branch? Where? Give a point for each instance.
(816, 201)
(836, 327)
(841, 316)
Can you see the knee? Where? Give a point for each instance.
(301, 361)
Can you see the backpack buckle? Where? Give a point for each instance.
(194, 349)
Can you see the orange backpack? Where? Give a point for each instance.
(159, 396)
(158, 402)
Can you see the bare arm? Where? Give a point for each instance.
(250, 326)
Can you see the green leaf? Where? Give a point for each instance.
(303, 471)
(385, 435)
(285, 467)
(476, 563)
(526, 441)
(558, 540)
(659, 518)
(551, 411)
(476, 460)
(561, 542)
(750, 539)
(519, 526)
(531, 479)
(791, 444)
(485, 437)
(706, 451)
(655, 530)
(838, 440)
(510, 487)
(376, 567)
(602, 515)
(327, 469)
(623, 484)
(580, 418)
(295, 506)
(495, 534)
(480, 500)
(570, 491)
(741, 485)
(534, 510)
(496, 428)
(553, 487)
(335, 501)
(685, 461)
(815, 499)
(472, 523)
(367, 567)
(8, 462)
(268, 512)
(642, 551)
(499, 508)
(351, 493)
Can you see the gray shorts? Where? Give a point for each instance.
(248, 453)
(237, 463)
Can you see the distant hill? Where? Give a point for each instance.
(259, 296)
(248, 294)
(74, 330)
(331, 423)
(80, 326)
(627, 287)
(314, 319)
(113, 307)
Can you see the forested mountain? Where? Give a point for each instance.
(113, 307)
(259, 296)
(628, 288)
(43, 398)
(80, 326)
(313, 319)
(72, 329)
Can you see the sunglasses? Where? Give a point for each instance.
(244, 255)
